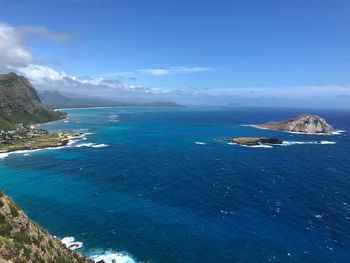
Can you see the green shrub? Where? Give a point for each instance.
(22, 238)
(5, 229)
(2, 219)
(13, 210)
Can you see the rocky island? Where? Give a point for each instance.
(251, 141)
(304, 123)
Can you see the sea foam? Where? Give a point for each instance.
(70, 243)
(287, 143)
(72, 143)
(252, 146)
(284, 143)
(93, 145)
(336, 132)
(108, 256)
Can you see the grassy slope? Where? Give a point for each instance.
(21, 240)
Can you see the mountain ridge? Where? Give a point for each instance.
(57, 100)
(20, 103)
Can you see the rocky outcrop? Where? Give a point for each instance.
(21, 240)
(251, 141)
(19, 103)
(305, 123)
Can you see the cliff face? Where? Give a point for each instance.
(21, 240)
(302, 123)
(19, 103)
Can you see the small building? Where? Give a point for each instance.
(16, 137)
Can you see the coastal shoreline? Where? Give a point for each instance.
(60, 145)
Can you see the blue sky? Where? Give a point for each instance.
(192, 51)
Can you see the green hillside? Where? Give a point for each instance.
(19, 103)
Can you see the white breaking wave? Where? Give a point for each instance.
(287, 143)
(284, 143)
(337, 132)
(102, 145)
(72, 143)
(248, 125)
(201, 143)
(93, 145)
(70, 243)
(251, 146)
(108, 256)
(25, 152)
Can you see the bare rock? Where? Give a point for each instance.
(305, 123)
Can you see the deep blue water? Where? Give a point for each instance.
(156, 194)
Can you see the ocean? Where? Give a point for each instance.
(153, 185)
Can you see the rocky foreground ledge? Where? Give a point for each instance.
(304, 123)
(251, 141)
(21, 240)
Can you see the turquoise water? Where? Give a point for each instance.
(153, 184)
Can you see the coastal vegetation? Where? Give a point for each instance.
(20, 103)
(28, 138)
(22, 240)
(20, 108)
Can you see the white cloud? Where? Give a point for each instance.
(43, 32)
(13, 51)
(16, 56)
(172, 70)
(46, 78)
(301, 92)
(40, 74)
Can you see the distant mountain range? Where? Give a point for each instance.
(57, 100)
(20, 103)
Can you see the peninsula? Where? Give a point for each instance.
(28, 138)
(20, 109)
(304, 123)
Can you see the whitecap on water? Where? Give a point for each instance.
(93, 145)
(108, 256)
(252, 146)
(201, 143)
(287, 143)
(70, 243)
(26, 152)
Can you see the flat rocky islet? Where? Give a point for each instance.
(251, 141)
(304, 123)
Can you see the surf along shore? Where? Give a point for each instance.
(27, 138)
